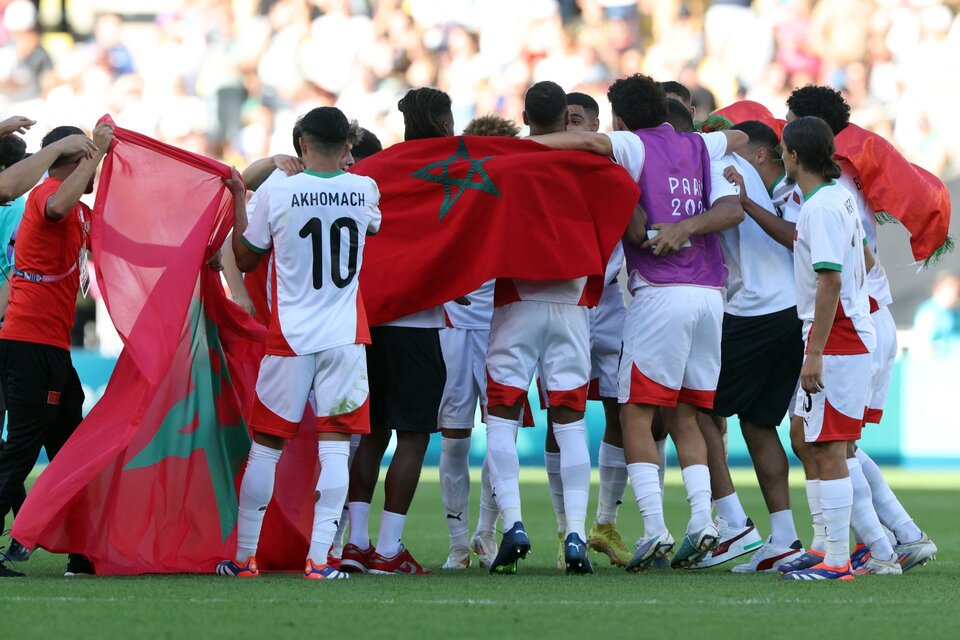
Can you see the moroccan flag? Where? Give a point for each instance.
(148, 483)
(459, 211)
(892, 185)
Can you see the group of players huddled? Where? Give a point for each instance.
(756, 292)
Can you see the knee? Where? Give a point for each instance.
(413, 442)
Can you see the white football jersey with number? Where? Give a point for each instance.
(316, 225)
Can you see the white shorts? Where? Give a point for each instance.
(338, 379)
(836, 413)
(465, 354)
(606, 341)
(881, 369)
(671, 347)
(528, 332)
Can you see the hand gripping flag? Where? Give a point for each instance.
(894, 187)
(148, 483)
(459, 211)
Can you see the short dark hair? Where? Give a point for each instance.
(327, 128)
(296, 138)
(812, 140)
(12, 150)
(583, 100)
(674, 87)
(545, 103)
(423, 111)
(366, 146)
(679, 116)
(639, 101)
(59, 133)
(822, 102)
(759, 134)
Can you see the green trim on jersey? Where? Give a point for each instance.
(319, 174)
(252, 246)
(776, 182)
(827, 266)
(807, 196)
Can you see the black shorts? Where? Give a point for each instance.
(760, 360)
(407, 374)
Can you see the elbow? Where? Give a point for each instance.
(246, 263)
(54, 212)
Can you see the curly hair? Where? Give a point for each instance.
(492, 125)
(639, 101)
(424, 110)
(822, 102)
(812, 140)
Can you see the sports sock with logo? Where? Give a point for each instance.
(836, 500)
(613, 482)
(661, 461)
(783, 530)
(455, 487)
(696, 478)
(256, 490)
(504, 468)
(730, 509)
(863, 518)
(575, 471)
(329, 497)
(816, 514)
(345, 514)
(487, 521)
(359, 529)
(889, 510)
(646, 489)
(391, 531)
(551, 461)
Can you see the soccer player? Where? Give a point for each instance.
(676, 274)
(761, 354)
(407, 376)
(871, 491)
(41, 387)
(315, 223)
(464, 345)
(606, 340)
(545, 322)
(832, 301)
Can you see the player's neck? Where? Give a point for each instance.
(808, 181)
(538, 130)
(771, 174)
(322, 165)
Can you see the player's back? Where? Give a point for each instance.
(316, 224)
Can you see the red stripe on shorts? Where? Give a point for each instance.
(356, 421)
(838, 426)
(643, 390)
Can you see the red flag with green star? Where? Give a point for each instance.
(148, 483)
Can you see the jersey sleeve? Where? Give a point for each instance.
(716, 143)
(257, 237)
(628, 151)
(827, 239)
(719, 186)
(373, 225)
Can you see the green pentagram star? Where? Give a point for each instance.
(224, 446)
(453, 188)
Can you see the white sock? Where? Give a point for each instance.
(504, 468)
(359, 529)
(345, 514)
(613, 482)
(863, 517)
(816, 513)
(696, 478)
(646, 489)
(836, 500)
(256, 490)
(329, 497)
(730, 509)
(487, 522)
(551, 461)
(575, 470)
(661, 460)
(783, 530)
(391, 531)
(455, 488)
(889, 510)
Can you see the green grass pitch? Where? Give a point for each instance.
(540, 601)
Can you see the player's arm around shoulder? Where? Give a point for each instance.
(247, 251)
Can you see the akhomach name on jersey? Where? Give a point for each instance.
(328, 198)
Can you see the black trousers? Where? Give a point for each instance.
(44, 406)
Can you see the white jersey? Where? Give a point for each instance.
(829, 236)
(786, 198)
(614, 264)
(477, 314)
(759, 269)
(316, 225)
(878, 286)
(509, 290)
(278, 174)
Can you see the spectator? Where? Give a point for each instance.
(936, 326)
